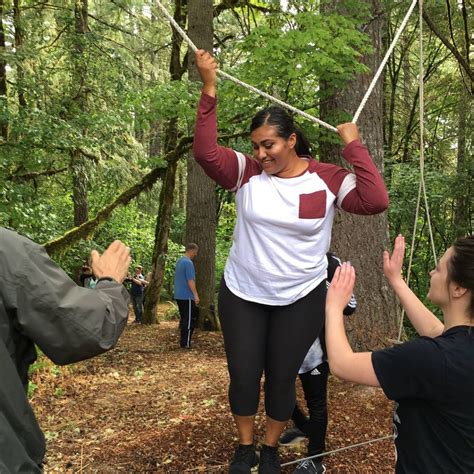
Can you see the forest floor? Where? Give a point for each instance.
(150, 406)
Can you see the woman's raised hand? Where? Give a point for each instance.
(392, 264)
(348, 132)
(341, 288)
(207, 68)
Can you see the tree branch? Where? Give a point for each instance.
(86, 229)
(36, 174)
(448, 45)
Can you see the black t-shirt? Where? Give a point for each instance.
(432, 382)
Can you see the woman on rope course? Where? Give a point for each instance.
(431, 378)
(272, 296)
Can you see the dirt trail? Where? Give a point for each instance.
(149, 406)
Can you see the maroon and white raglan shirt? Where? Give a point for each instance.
(283, 227)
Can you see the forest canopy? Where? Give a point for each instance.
(98, 102)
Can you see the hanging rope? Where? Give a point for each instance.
(241, 83)
(384, 61)
(422, 187)
(284, 104)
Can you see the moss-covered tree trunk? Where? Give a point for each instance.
(167, 191)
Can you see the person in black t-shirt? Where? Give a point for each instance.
(430, 378)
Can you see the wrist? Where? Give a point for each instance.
(333, 311)
(396, 281)
(210, 89)
(107, 278)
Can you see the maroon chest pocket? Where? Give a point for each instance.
(313, 205)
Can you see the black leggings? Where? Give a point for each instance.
(274, 339)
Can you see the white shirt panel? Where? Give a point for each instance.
(277, 257)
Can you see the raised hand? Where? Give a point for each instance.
(113, 263)
(392, 264)
(348, 132)
(342, 286)
(207, 68)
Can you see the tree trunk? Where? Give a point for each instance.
(78, 161)
(362, 239)
(464, 166)
(181, 191)
(18, 46)
(201, 215)
(163, 219)
(163, 222)
(3, 78)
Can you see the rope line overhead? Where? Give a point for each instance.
(384, 61)
(241, 83)
(304, 114)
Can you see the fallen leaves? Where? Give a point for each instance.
(149, 406)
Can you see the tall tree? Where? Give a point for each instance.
(78, 160)
(463, 211)
(163, 219)
(3, 76)
(201, 206)
(362, 239)
(17, 23)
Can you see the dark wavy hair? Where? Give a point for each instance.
(284, 125)
(461, 266)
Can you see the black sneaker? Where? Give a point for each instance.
(292, 436)
(310, 467)
(269, 460)
(245, 458)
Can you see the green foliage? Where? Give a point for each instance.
(225, 229)
(172, 313)
(107, 95)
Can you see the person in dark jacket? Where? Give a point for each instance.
(40, 304)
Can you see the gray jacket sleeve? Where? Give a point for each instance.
(69, 323)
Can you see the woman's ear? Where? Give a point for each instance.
(458, 291)
(292, 140)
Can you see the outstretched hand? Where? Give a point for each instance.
(207, 68)
(113, 263)
(341, 288)
(392, 264)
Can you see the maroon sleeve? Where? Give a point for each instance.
(219, 163)
(369, 195)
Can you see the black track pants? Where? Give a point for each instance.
(187, 321)
(272, 339)
(315, 387)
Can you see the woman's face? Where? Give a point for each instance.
(439, 283)
(274, 153)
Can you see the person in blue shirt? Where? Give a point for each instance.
(185, 294)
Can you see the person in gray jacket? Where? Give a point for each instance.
(40, 304)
